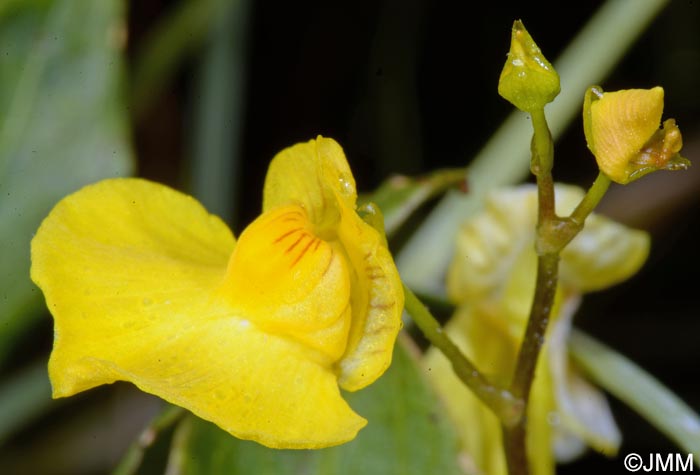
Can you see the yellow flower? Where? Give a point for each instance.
(492, 279)
(256, 336)
(622, 131)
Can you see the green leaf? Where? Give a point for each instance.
(24, 397)
(399, 196)
(63, 125)
(639, 390)
(406, 434)
(219, 112)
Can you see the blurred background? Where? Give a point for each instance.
(201, 94)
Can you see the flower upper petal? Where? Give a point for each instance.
(130, 270)
(315, 176)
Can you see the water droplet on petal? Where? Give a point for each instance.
(345, 185)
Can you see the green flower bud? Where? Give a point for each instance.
(528, 80)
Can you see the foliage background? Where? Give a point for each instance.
(406, 86)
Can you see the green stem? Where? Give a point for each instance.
(556, 233)
(545, 290)
(541, 165)
(130, 463)
(506, 407)
(547, 274)
(400, 196)
(591, 200)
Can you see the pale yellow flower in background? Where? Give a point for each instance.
(492, 279)
(256, 336)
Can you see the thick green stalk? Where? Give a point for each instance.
(547, 275)
(500, 401)
(545, 290)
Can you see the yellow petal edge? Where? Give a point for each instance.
(145, 286)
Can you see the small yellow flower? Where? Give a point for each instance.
(256, 336)
(492, 278)
(622, 131)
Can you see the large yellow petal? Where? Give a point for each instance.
(129, 270)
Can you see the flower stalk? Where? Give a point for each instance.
(590, 201)
(507, 407)
(545, 290)
(553, 234)
(541, 166)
